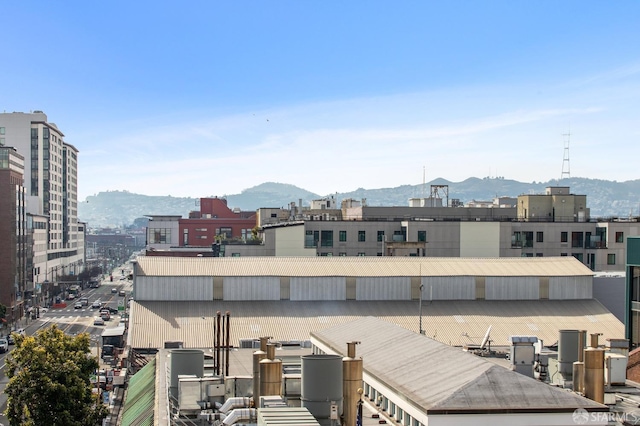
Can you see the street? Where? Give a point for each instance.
(72, 322)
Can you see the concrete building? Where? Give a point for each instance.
(50, 182)
(15, 248)
(416, 380)
(390, 305)
(176, 299)
(632, 306)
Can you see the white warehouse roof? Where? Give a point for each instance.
(357, 266)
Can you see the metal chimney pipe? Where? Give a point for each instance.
(217, 343)
(582, 334)
(594, 339)
(351, 385)
(258, 356)
(228, 350)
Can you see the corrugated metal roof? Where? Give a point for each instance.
(454, 323)
(441, 379)
(360, 266)
(138, 407)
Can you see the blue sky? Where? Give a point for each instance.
(210, 97)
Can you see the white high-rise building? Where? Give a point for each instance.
(51, 186)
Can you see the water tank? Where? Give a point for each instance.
(322, 384)
(185, 362)
(568, 351)
(270, 373)
(594, 374)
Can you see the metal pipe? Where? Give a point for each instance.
(228, 350)
(581, 344)
(217, 343)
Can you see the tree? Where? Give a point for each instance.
(49, 381)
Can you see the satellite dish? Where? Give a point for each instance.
(486, 338)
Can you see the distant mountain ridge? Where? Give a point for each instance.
(121, 208)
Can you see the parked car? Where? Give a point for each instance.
(4, 345)
(10, 339)
(98, 321)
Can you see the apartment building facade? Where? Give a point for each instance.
(14, 249)
(51, 192)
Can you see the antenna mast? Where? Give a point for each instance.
(566, 167)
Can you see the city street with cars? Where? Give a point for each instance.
(74, 319)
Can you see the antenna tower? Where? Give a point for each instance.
(566, 167)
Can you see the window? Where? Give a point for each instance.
(342, 253)
(342, 236)
(361, 254)
(311, 239)
(611, 259)
(578, 256)
(361, 236)
(516, 240)
(274, 215)
(528, 239)
(379, 253)
(1, 141)
(577, 239)
(326, 238)
(564, 237)
(1, 130)
(226, 232)
(380, 236)
(235, 254)
(539, 237)
(563, 254)
(619, 237)
(422, 236)
(539, 254)
(160, 236)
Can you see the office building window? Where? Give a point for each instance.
(361, 236)
(578, 256)
(380, 236)
(577, 239)
(611, 259)
(539, 237)
(361, 254)
(326, 238)
(528, 238)
(422, 236)
(563, 255)
(1, 130)
(342, 253)
(539, 254)
(564, 237)
(619, 237)
(516, 240)
(311, 239)
(343, 236)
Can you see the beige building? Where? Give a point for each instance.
(51, 192)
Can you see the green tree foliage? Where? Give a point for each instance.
(49, 381)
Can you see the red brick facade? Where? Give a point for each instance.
(213, 220)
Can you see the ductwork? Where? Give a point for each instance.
(238, 415)
(237, 402)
